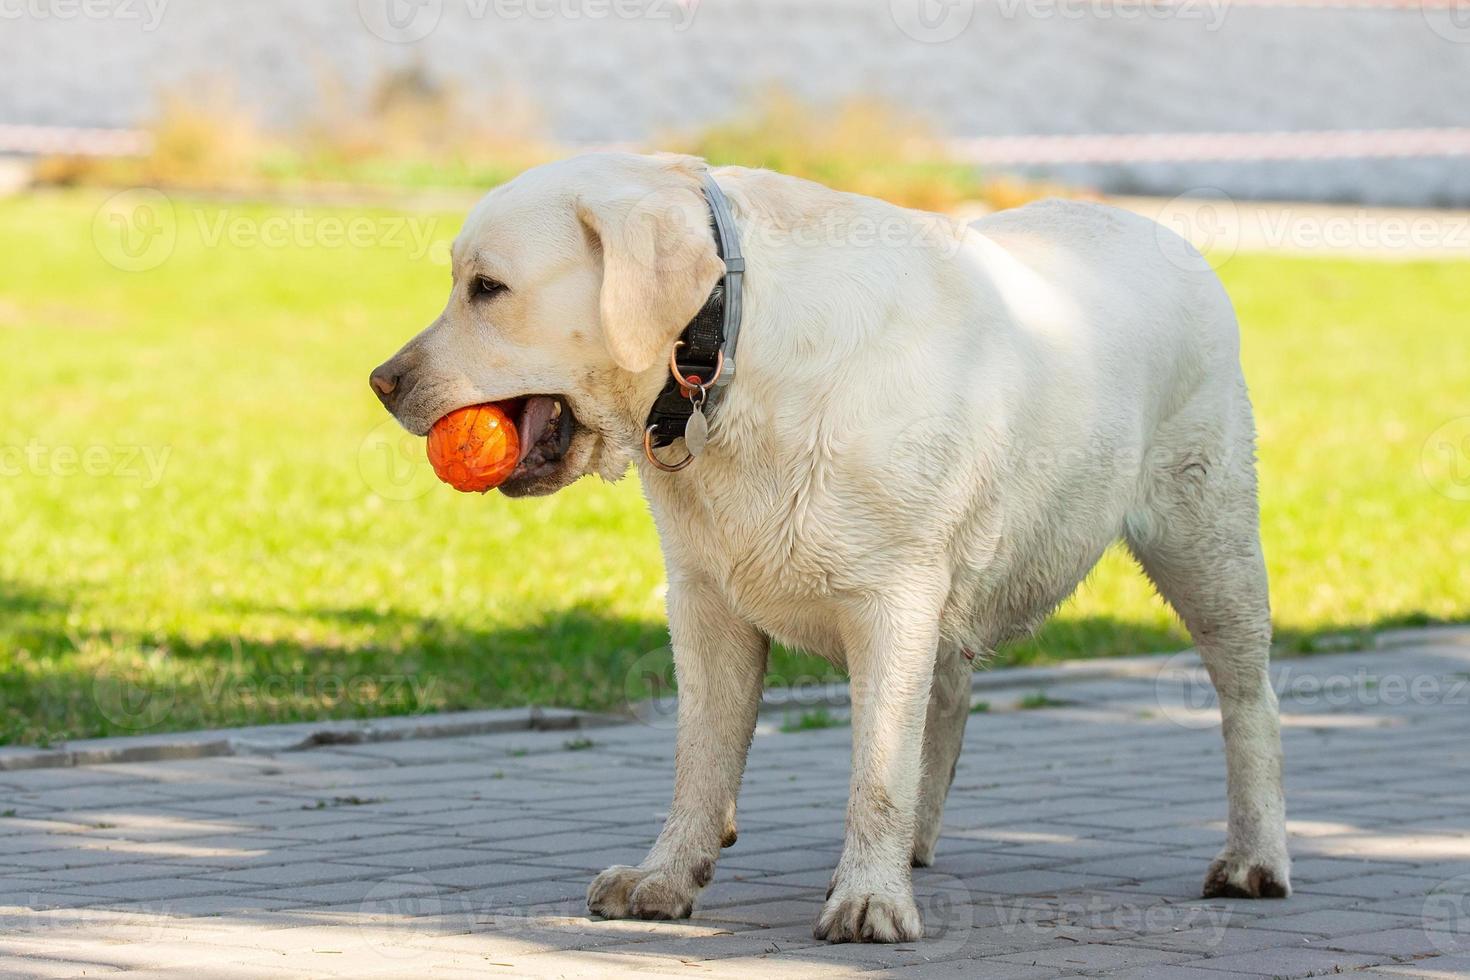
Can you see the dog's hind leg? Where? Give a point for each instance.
(1197, 537)
(944, 733)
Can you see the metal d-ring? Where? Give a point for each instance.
(693, 382)
(666, 467)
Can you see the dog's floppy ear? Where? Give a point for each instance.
(659, 265)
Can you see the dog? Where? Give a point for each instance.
(934, 432)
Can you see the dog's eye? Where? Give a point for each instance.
(484, 287)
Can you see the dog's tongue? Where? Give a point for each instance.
(534, 416)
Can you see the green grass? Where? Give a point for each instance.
(814, 720)
(293, 169)
(1039, 699)
(278, 568)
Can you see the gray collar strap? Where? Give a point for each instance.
(728, 243)
(703, 361)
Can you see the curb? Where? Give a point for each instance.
(302, 736)
(298, 737)
(1140, 666)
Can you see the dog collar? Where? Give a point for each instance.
(702, 362)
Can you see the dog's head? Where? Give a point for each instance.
(571, 284)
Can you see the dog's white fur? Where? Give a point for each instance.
(934, 434)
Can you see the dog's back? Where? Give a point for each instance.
(1100, 356)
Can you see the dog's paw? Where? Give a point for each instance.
(622, 892)
(1233, 876)
(855, 915)
(730, 834)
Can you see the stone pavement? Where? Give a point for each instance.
(1077, 835)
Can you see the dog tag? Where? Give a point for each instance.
(696, 432)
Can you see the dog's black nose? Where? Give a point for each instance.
(384, 380)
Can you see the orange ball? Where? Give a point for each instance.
(474, 449)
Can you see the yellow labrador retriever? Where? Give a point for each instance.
(926, 437)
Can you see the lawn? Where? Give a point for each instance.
(209, 521)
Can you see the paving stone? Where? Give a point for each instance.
(157, 889)
(23, 893)
(485, 874)
(1219, 940)
(769, 913)
(1339, 921)
(719, 945)
(968, 970)
(292, 873)
(355, 891)
(98, 796)
(862, 956)
(1141, 867)
(450, 857)
(1072, 844)
(1171, 971)
(203, 906)
(1095, 957)
(571, 841)
(730, 893)
(1311, 871)
(1374, 886)
(568, 896)
(1287, 962)
(1039, 882)
(1408, 941)
(1452, 967)
(38, 968)
(985, 862)
(53, 861)
(1415, 906)
(815, 880)
(98, 874)
(1079, 850)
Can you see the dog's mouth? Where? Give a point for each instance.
(545, 424)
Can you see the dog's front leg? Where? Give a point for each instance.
(720, 664)
(890, 653)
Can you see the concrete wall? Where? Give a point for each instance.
(615, 70)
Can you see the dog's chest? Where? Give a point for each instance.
(780, 561)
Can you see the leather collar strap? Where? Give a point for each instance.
(707, 346)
